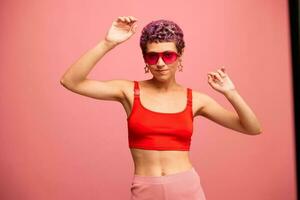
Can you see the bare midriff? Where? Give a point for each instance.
(160, 163)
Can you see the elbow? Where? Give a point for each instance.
(65, 83)
(259, 130)
(70, 82)
(253, 130)
(70, 85)
(256, 132)
(62, 82)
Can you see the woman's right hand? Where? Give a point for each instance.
(121, 29)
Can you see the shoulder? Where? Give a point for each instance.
(122, 84)
(200, 99)
(199, 95)
(128, 86)
(126, 83)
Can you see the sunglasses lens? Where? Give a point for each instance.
(151, 58)
(167, 56)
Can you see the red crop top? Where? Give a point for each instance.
(153, 130)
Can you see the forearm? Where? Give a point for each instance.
(79, 70)
(247, 117)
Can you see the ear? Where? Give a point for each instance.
(181, 54)
(182, 51)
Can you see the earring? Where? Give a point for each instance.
(180, 67)
(146, 69)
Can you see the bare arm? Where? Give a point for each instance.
(75, 78)
(81, 68)
(244, 120)
(246, 116)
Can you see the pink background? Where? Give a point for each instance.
(58, 145)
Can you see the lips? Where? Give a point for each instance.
(162, 70)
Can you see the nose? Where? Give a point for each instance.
(160, 62)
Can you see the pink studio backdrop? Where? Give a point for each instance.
(58, 145)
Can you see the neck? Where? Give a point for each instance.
(164, 86)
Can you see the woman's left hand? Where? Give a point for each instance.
(220, 81)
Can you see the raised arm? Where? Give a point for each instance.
(75, 78)
(243, 120)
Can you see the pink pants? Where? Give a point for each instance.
(179, 186)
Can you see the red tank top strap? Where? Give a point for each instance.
(136, 89)
(189, 96)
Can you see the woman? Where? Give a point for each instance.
(160, 111)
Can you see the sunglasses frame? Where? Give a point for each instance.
(160, 55)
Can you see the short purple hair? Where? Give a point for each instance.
(162, 31)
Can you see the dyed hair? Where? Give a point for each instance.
(162, 31)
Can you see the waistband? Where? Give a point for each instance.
(165, 178)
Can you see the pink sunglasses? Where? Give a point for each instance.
(168, 57)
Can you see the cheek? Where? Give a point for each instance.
(174, 66)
